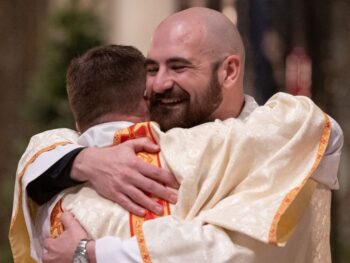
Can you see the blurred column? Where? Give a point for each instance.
(214, 4)
(264, 84)
(20, 26)
(184, 4)
(132, 22)
(229, 9)
(298, 72)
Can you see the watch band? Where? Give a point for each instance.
(80, 254)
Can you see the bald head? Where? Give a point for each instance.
(195, 68)
(209, 28)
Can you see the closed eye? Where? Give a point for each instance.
(179, 68)
(152, 70)
(151, 67)
(178, 64)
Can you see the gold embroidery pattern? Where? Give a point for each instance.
(137, 131)
(56, 226)
(141, 242)
(291, 196)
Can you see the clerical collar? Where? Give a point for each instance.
(249, 106)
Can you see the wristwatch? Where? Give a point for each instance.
(80, 254)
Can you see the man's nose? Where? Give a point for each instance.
(162, 82)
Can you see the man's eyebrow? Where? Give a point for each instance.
(178, 60)
(149, 61)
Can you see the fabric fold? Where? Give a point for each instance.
(23, 211)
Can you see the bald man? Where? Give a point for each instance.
(209, 53)
(195, 74)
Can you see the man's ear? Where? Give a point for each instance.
(230, 71)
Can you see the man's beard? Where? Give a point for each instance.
(184, 114)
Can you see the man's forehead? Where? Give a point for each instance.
(170, 52)
(177, 36)
(165, 51)
(180, 30)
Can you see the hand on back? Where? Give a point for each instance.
(119, 175)
(61, 249)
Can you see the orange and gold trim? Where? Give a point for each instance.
(141, 242)
(56, 226)
(140, 130)
(31, 160)
(18, 234)
(293, 201)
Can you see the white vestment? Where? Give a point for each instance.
(233, 215)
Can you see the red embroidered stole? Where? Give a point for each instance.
(138, 130)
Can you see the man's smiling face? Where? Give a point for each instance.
(182, 82)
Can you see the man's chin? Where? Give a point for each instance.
(167, 116)
(168, 121)
(167, 124)
(170, 107)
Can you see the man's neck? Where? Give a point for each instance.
(228, 110)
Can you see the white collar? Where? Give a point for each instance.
(249, 106)
(101, 135)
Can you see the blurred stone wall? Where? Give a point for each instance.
(20, 30)
(338, 82)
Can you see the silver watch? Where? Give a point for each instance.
(80, 254)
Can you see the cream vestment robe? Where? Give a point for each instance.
(244, 184)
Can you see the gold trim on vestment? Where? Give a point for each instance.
(141, 130)
(56, 226)
(18, 233)
(295, 201)
(141, 242)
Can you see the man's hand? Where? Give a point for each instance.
(119, 175)
(62, 248)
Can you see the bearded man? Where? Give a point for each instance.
(195, 71)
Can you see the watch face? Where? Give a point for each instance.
(79, 258)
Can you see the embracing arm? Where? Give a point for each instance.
(125, 176)
(54, 179)
(57, 162)
(193, 241)
(208, 244)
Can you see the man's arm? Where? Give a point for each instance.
(210, 244)
(53, 180)
(70, 238)
(196, 242)
(115, 172)
(125, 176)
(62, 248)
(326, 173)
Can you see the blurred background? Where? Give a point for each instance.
(297, 46)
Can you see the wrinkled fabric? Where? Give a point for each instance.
(254, 188)
(206, 218)
(23, 211)
(236, 176)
